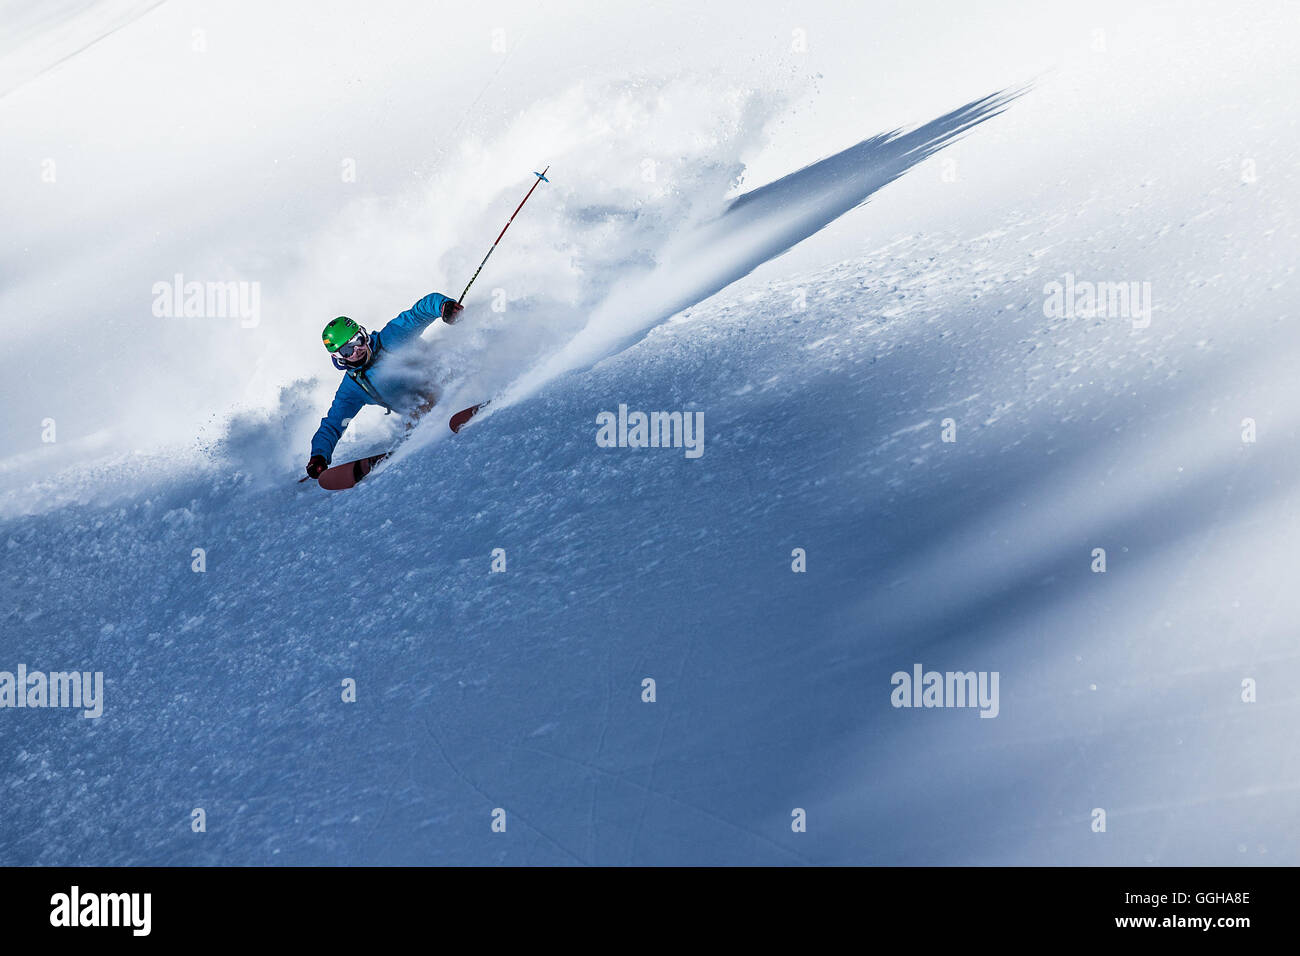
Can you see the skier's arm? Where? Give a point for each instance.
(347, 402)
(415, 319)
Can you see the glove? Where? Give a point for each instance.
(450, 309)
(316, 466)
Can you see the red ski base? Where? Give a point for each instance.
(349, 473)
(465, 414)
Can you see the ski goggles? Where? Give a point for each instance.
(353, 345)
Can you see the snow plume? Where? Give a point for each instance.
(759, 225)
(267, 443)
(632, 162)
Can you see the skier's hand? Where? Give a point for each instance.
(316, 466)
(450, 309)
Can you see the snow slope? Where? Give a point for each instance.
(824, 381)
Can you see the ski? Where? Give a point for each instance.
(349, 473)
(458, 420)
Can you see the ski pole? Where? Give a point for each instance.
(541, 178)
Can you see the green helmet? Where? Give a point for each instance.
(338, 333)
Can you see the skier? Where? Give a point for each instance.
(375, 371)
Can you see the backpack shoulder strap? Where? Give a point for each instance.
(359, 376)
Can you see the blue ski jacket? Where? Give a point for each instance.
(386, 380)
